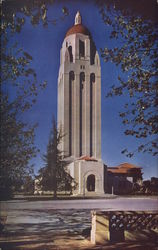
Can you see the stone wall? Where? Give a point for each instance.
(122, 226)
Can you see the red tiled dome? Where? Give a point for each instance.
(78, 28)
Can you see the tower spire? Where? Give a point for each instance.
(78, 18)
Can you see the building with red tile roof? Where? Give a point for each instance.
(122, 178)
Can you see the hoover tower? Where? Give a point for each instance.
(79, 106)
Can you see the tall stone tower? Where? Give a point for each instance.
(79, 104)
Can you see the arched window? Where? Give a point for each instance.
(91, 183)
(92, 77)
(82, 76)
(72, 75)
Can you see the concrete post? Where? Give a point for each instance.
(100, 228)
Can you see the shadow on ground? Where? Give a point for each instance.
(64, 239)
(57, 229)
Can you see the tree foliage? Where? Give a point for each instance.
(19, 88)
(54, 175)
(133, 28)
(15, 12)
(28, 185)
(16, 147)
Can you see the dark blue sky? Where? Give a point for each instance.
(44, 45)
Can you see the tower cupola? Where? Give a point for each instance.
(78, 27)
(78, 18)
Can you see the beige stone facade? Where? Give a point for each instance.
(89, 176)
(79, 105)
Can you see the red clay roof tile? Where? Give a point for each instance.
(78, 28)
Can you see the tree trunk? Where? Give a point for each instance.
(55, 194)
(55, 189)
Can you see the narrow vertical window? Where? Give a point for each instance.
(71, 78)
(81, 49)
(92, 52)
(82, 79)
(70, 53)
(92, 80)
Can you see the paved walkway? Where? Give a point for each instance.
(62, 224)
(47, 229)
(118, 203)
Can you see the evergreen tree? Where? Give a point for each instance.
(54, 175)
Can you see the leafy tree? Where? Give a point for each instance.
(134, 29)
(54, 175)
(28, 184)
(16, 145)
(19, 88)
(15, 12)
